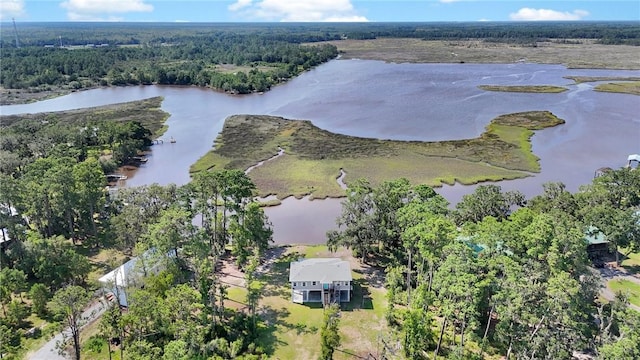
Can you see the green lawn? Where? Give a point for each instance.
(626, 286)
(101, 353)
(632, 263)
(291, 330)
(236, 297)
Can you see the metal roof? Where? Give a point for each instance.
(128, 274)
(323, 270)
(594, 236)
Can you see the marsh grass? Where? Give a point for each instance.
(632, 88)
(583, 79)
(585, 55)
(147, 112)
(525, 88)
(313, 157)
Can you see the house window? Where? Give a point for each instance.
(304, 284)
(294, 284)
(313, 283)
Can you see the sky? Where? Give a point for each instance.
(318, 10)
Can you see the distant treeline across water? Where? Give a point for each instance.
(234, 57)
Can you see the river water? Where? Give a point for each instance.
(391, 101)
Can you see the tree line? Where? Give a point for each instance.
(190, 60)
(186, 54)
(510, 275)
(76, 33)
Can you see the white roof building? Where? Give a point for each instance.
(323, 280)
(132, 274)
(631, 158)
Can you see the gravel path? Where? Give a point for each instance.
(48, 351)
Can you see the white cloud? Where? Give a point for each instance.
(529, 14)
(73, 16)
(240, 4)
(11, 8)
(93, 10)
(299, 10)
(448, 1)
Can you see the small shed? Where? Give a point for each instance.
(597, 243)
(633, 158)
(325, 280)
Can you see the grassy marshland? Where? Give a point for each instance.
(632, 88)
(584, 55)
(313, 157)
(583, 79)
(525, 89)
(147, 112)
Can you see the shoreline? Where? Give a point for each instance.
(585, 55)
(318, 163)
(52, 94)
(395, 50)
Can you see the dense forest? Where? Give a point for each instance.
(56, 212)
(77, 55)
(510, 275)
(70, 34)
(114, 135)
(190, 62)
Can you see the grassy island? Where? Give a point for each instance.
(147, 112)
(619, 84)
(313, 157)
(525, 88)
(632, 88)
(584, 79)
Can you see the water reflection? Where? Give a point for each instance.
(393, 101)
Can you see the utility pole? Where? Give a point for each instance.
(15, 31)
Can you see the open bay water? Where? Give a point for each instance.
(428, 102)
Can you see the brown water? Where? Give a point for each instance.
(394, 101)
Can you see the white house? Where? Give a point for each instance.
(132, 273)
(323, 280)
(632, 158)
